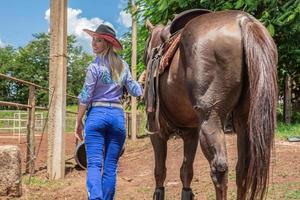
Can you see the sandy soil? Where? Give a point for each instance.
(135, 176)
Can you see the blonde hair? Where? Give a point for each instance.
(115, 62)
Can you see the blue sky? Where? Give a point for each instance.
(19, 19)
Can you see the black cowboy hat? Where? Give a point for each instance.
(107, 33)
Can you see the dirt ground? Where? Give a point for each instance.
(135, 176)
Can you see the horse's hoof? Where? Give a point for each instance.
(159, 193)
(187, 194)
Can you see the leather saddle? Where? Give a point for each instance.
(184, 17)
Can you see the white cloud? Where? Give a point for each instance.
(2, 44)
(76, 23)
(125, 19)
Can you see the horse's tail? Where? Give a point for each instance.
(261, 58)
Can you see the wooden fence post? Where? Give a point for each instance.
(287, 111)
(30, 156)
(133, 70)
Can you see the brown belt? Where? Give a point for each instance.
(107, 104)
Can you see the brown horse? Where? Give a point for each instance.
(226, 62)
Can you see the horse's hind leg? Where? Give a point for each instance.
(212, 140)
(160, 154)
(190, 141)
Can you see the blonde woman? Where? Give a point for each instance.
(105, 123)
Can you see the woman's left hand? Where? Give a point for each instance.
(142, 78)
(78, 130)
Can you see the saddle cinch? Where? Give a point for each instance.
(160, 60)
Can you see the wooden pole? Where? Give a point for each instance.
(18, 105)
(57, 87)
(133, 71)
(287, 100)
(29, 83)
(30, 156)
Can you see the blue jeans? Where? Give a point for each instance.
(104, 138)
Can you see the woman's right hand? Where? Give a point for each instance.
(78, 130)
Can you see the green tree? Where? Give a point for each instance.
(77, 63)
(31, 63)
(7, 58)
(281, 17)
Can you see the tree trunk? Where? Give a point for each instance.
(287, 100)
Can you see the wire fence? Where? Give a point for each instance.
(14, 123)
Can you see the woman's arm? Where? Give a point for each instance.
(84, 98)
(81, 112)
(79, 123)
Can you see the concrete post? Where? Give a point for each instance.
(57, 84)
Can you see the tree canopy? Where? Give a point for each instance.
(31, 63)
(281, 17)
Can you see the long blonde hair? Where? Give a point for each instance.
(115, 62)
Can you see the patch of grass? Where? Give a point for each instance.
(286, 191)
(293, 194)
(36, 181)
(144, 189)
(7, 121)
(72, 108)
(231, 175)
(287, 130)
(209, 190)
(231, 194)
(283, 174)
(6, 113)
